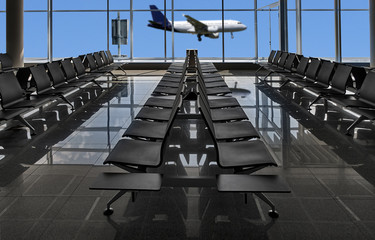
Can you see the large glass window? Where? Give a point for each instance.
(80, 26)
(76, 33)
(355, 35)
(35, 35)
(318, 34)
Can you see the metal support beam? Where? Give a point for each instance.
(372, 32)
(107, 25)
(338, 51)
(173, 29)
(165, 30)
(222, 28)
(256, 29)
(14, 31)
(283, 25)
(131, 29)
(298, 27)
(49, 31)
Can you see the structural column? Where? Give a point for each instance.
(372, 32)
(256, 29)
(14, 31)
(298, 27)
(338, 30)
(283, 24)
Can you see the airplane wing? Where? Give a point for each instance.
(198, 25)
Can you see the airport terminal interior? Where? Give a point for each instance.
(63, 158)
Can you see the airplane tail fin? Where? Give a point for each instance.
(158, 17)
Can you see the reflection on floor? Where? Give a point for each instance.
(44, 179)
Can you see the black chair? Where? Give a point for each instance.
(6, 62)
(71, 74)
(14, 101)
(241, 156)
(44, 87)
(58, 77)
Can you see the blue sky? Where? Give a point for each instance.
(79, 33)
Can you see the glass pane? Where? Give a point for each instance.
(268, 32)
(35, 4)
(2, 5)
(2, 33)
(357, 4)
(125, 49)
(318, 34)
(35, 35)
(264, 3)
(240, 4)
(147, 42)
(242, 43)
(292, 45)
(145, 5)
(353, 25)
(208, 47)
(317, 4)
(198, 4)
(119, 4)
(78, 33)
(80, 5)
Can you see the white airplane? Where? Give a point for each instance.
(210, 28)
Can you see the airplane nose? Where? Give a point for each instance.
(244, 27)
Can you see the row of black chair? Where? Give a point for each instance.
(35, 86)
(349, 86)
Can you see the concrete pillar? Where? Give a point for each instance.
(14, 31)
(283, 25)
(372, 32)
(298, 27)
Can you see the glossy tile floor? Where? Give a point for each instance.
(44, 179)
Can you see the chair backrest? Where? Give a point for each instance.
(276, 59)
(104, 57)
(56, 74)
(98, 59)
(78, 65)
(358, 76)
(6, 61)
(69, 71)
(291, 60)
(271, 56)
(366, 92)
(325, 73)
(341, 78)
(91, 61)
(10, 90)
(302, 66)
(282, 60)
(40, 78)
(110, 57)
(312, 69)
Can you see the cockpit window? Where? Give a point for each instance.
(239, 23)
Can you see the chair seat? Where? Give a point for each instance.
(228, 114)
(154, 113)
(136, 153)
(165, 90)
(223, 102)
(216, 84)
(218, 90)
(159, 102)
(168, 84)
(146, 129)
(244, 154)
(235, 130)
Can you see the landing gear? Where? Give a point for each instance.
(199, 37)
(231, 35)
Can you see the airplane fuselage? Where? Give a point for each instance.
(213, 26)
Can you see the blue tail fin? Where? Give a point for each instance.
(158, 17)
